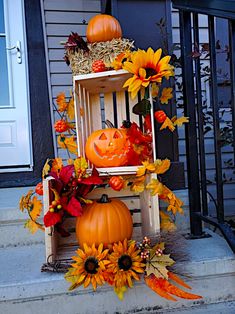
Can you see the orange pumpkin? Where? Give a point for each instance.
(108, 148)
(103, 27)
(104, 221)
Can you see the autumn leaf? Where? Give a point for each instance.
(57, 164)
(36, 208)
(80, 166)
(157, 265)
(167, 124)
(161, 166)
(167, 223)
(180, 121)
(149, 166)
(66, 173)
(138, 185)
(25, 201)
(166, 95)
(46, 168)
(155, 186)
(61, 102)
(154, 284)
(50, 219)
(32, 226)
(71, 144)
(140, 171)
(70, 109)
(74, 207)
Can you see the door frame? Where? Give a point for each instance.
(42, 136)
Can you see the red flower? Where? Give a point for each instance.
(74, 207)
(52, 218)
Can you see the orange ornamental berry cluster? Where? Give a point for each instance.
(55, 205)
(61, 126)
(98, 66)
(160, 116)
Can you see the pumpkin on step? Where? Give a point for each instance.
(108, 148)
(104, 221)
(103, 27)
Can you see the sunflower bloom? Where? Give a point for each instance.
(125, 264)
(118, 62)
(89, 267)
(146, 66)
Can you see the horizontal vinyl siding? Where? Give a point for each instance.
(227, 152)
(61, 18)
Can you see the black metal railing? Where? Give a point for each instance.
(189, 11)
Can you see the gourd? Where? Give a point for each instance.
(103, 27)
(108, 148)
(104, 221)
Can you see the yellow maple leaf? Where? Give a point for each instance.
(180, 121)
(68, 143)
(140, 171)
(166, 95)
(71, 144)
(46, 168)
(32, 226)
(167, 223)
(149, 166)
(25, 201)
(161, 166)
(138, 185)
(70, 161)
(61, 102)
(155, 186)
(168, 124)
(57, 164)
(36, 208)
(70, 109)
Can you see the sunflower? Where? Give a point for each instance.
(147, 66)
(89, 267)
(118, 62)
(125, 264)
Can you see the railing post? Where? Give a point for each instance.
(191, 128)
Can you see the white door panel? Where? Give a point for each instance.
(15, 139)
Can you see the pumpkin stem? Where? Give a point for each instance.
(109, 124)
(104, 199)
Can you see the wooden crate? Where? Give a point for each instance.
(100, 97)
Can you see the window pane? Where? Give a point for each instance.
(2, 28)
(4, 85)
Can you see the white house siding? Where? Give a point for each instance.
(227, 153)
(61, 17)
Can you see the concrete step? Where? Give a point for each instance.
(25, 290)
(12, 220)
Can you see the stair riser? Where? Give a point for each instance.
(139, 299)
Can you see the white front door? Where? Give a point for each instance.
(15, 138)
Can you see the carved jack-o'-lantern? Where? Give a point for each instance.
(108, 148)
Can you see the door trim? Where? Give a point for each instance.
(39, 100)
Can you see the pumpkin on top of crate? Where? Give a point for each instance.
(104, 221)
(104, 44)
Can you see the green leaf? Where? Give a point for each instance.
(142, 107)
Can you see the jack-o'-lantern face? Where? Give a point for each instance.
(108, 148)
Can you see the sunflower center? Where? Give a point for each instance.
(150, 72)
(91, 265)
(125, 262)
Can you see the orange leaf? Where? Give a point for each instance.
(153, 283)
(57, 164)
(178, 280)
(70, 109)
(168, 287)
(167, 124)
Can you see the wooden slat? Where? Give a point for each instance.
(72, 5)
(121, 107)
(68, 17)
(96, 122)
(132, 102)
(51, 238)
(108, 107)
